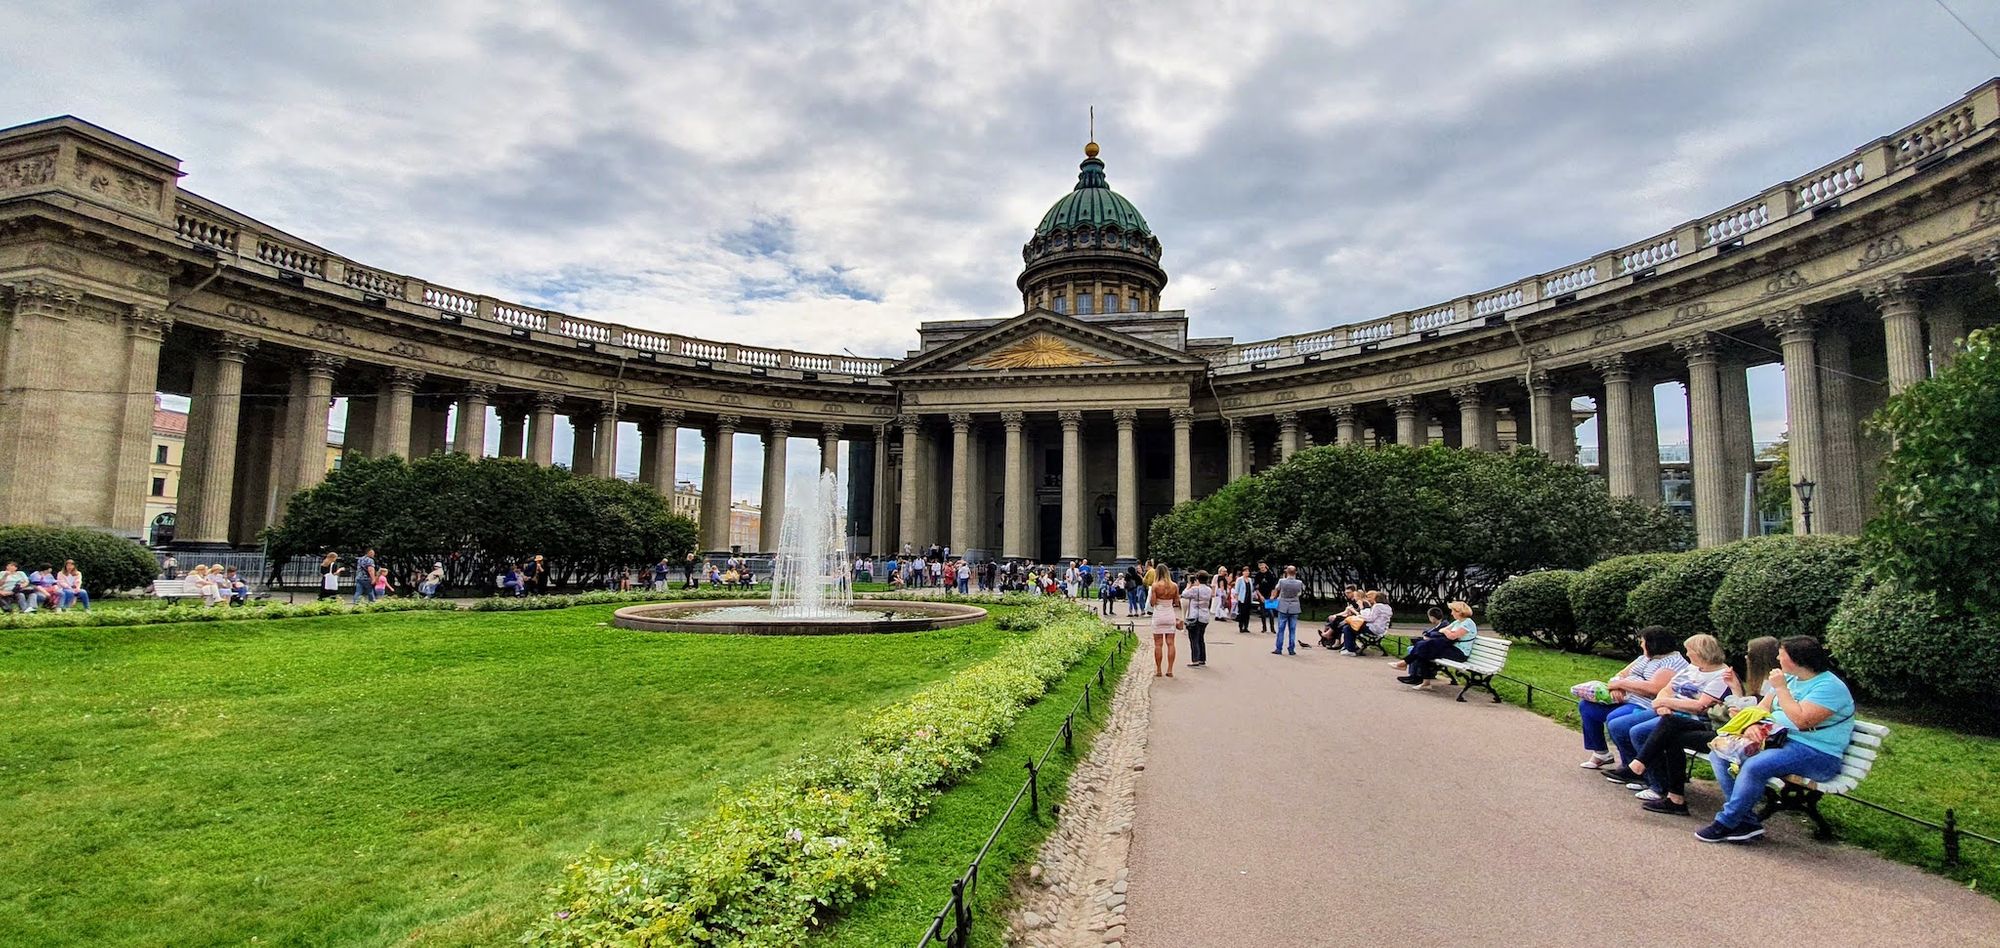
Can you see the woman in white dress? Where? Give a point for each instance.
(1166, 621)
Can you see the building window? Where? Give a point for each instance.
(1083, 304)
(159, 454)
(1062, 304)
(1131, 304)
(160, 483)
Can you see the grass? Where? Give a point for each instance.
(1923, 771)
(400, 778)
(936, 850)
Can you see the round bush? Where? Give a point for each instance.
(1897, 645)
(108, 563)
(1599, 598)
(1678, 597)
(1536, 606)
(1783, 586)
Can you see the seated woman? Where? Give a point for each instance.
(1633, 690)
(205, 585)
(1454, 642)
(1437, 624)
(1814, 712)
(1374, 617)
(1329, 634)
(510, 582)
(1680, 722)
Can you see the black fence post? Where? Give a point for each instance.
(1951, 837)
(1069, 727)
(961, 916)
(1086, 694)
(1034, 790)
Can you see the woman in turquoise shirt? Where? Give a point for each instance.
(1816, 712)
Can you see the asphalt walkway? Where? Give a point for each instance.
(1313, 800)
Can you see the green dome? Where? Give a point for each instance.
(1092, 204)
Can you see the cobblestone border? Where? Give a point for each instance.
(1074, 894)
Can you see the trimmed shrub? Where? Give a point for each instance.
(108, 563)
(1678, 597)
(1787, 585)
(1599, 599)
(1902, 646)
(1536, 606)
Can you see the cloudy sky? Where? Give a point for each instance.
(828, 174)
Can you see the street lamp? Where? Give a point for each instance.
(1805, 489)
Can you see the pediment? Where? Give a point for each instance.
(1041, 342)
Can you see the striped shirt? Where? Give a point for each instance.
(1644, 668)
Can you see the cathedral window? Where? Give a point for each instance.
(1062, 305)
(1083, 304)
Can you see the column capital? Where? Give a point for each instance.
(404, 379)
(882, 433)
(324, 364)
(1792, 324)
(481, 390)
(1988, 258)
(1071, 420)
(1287, 419)
(669, 417)
(961, 421)
(235, 347)
(1183, 417)
(830, 430)
(1892, 295)
(909, 421)
(43, 298)
(728, 421)
(1541, 384)
(1614, 367)
(548, 401)
(1125, 417)
(778, 428)
(1698, 348)
(1469, 393)
(147, 322)
(1404, 404)
(1013, 419)
(1341, 412)
(608, 409)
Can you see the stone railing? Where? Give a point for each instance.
(1912, 149)
(202, 224)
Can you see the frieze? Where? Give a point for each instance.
(551, 375)
(1604, 334)
(1402, 378)
(245, 314)
(482, 364)
(730, 399)
(1541, 350)
(833, 408)
(56, 258)
(328, 332)
(882, 411)
(28, 171)
(1284, 395)
(781, 404)
(150, 282)
(1883, 250)
(1689, 313)
(1987, 210)
(1340, 388)
(407, 349)
(1233, 401)
(1465, 366)
(1785, 282)
(116, 183)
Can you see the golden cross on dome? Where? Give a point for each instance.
(1090, 149)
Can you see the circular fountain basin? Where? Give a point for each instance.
(758, 617)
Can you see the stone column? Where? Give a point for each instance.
(961, 482)
(1838, 506)
(145, 328)
(1072, 484)
(1706, 440)
(542, 450)
(1183, 455)
(1126, 530)
(1474, 433)
(829, 449)
(605, 453)
(773, 516)
(1405, 407)
(1239, 448)
(1645, 440)
(208, 468)
(912, 523)
(513, 431)
(1795, 329)
(1946, 316)
(31, 379)
(1288, 434)
(1902, 330)
(1346, 428)
(583, 439)
(664, 450)
(392, 412)
(1014, 525)
(321, 368)
(719, 470)
(469, 437)
(1551, 417)
(1617, 458)
(881, 530)
(1739, 448)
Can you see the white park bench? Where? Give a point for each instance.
(175, 589)
(1799, 795)
(1488, 657)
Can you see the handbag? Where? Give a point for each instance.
(1593, 691)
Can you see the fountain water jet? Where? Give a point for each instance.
(810, 578)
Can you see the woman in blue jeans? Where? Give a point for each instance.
(1635, 687)
(1813, 710)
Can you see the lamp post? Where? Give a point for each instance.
(1805, 489)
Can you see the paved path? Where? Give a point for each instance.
(1312, 800)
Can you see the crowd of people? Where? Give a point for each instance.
(42, 588)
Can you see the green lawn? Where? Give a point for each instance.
(385, 779)
(1923, 771)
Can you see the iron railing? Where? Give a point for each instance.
(952, 925)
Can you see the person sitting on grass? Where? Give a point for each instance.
(1680, 722)
(1813, 716)
(1632, 692)
(1453, 642)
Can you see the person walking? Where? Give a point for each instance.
(329, 574)
(1245, 599)
(364, 576)
(1199, 599)
(1166, 600)
(1288, 592)
(538, 575)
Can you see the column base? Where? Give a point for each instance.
(199, 546)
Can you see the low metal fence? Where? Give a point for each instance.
(1951, 834)
(952, 925)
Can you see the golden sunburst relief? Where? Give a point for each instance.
(1039, 351)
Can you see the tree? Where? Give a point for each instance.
(1774, 486)
(476, 516)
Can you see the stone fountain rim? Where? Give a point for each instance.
(660, 617)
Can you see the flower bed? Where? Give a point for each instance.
(778, 854)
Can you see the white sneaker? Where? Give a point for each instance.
(1597, 762)
(1648, 795)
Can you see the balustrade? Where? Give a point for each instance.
(1733, 224)
(1649, 256)
(1831, 183)
(1570, 281)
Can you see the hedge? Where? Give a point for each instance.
(108, 563)
(191, 612)
(1903, 646)
(1783, 586)
(1536, 606)
(1599, 599)
(1678, 596)
(776, 854)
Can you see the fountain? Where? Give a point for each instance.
(812, 592)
